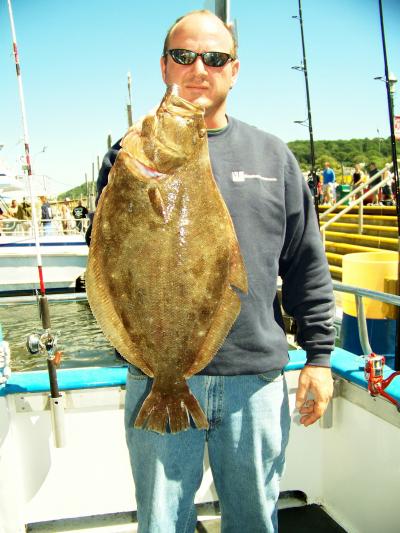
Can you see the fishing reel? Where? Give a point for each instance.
(44, 343)
(373, 372)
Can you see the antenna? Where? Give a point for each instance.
(129, 106)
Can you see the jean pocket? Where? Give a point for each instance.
(271, 376)
(135, 373)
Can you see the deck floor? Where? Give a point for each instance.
(300, 519)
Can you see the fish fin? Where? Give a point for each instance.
(222, 321)
(157, 202)
(173, 408)
(237, 275)
(107, 317)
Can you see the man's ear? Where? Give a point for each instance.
(163, 66)
(235, 71)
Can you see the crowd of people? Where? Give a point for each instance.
(327, 186)
(50, 217)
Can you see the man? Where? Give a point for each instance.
(46, 215)
(373, 170)
(24, 215)
(329, 178)
(79, 212)
(13, 208)
(242, 390)
(66, 217)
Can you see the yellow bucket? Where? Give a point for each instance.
(368, 270)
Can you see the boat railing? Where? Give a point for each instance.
(352, 199)
(57, 226)
(360, 293)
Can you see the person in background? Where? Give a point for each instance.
(46, 215)
(387, 195)
(243, 389)
(329, 179)
(24, 215)
(372, 172)
(13, 208)
(358, 178)
(11, 214)
(80, 212)
(66, 216)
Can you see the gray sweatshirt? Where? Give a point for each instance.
(275, 222)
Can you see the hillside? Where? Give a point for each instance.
(343, 153)
(339, 153)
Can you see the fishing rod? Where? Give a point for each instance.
(303, 68)
(47, 341)
(388, 83)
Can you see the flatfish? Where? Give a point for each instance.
(164, 259)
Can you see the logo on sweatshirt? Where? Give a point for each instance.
(240, 176)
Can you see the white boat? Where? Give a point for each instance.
(64, 259)
(347, 465)
(64, 256)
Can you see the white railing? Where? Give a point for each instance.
(13, 227)
(355, 202)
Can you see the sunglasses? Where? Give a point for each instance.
(211, 59)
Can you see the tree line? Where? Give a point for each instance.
(343, 153)
(339, 153)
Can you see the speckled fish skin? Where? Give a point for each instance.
(163, 260)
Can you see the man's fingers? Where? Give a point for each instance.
(301, 395)
(312, 410)
(307, 407)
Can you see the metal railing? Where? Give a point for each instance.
(355, 202)
(11, 227)
(359, 294)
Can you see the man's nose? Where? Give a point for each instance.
(199, 67)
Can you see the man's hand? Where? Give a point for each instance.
(318, 381)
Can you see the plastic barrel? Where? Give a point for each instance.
(369, 270)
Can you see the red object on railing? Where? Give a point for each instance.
(373, 371)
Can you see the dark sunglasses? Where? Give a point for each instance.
(211, 59)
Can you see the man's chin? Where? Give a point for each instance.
(198, 99)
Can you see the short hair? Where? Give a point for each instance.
(229, 27)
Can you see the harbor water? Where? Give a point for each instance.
(80, 339)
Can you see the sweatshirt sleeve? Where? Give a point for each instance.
(102, 180)
(307, 293)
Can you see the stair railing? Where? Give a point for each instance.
(357, 202)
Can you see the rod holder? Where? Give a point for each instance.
(58, 421)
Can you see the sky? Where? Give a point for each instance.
(75, 56)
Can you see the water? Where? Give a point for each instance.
(80, 339)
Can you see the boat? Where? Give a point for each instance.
(64, 256)
(64, 464)
(64, 263)
(64, 259)
(70, 470)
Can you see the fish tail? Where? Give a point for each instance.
(175, 409)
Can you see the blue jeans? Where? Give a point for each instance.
(249, 430)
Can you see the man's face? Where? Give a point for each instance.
(200, 84)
